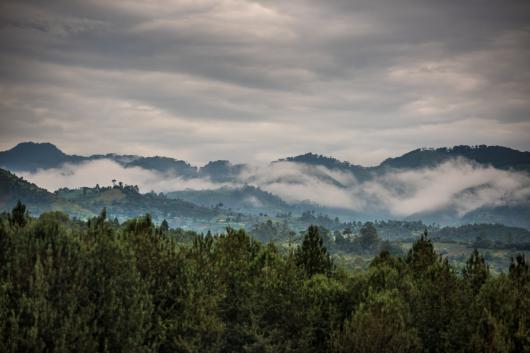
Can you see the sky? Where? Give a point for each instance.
(254, 81)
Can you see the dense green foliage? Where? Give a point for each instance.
(100, 286)
(497, 156)
(491, 233)
(251, 200)
(248, 198)
(30, 156)
(125, 200)
(121, 200)
(38, 200)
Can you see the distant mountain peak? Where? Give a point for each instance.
(313, 159)
(31, 156)
(496, 156)
(218, 163)
(321, 160)
(165, 164)
(40, 147)
(221, 170)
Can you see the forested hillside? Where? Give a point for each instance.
(254, 210)
(30, 156)
(496, 156)
(488, 183)
(101, 286)
(122, 201)
(247, 199)
(264, 176)
(14, 188)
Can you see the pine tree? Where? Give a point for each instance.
(422, 255)
(368, 238)
(164, 227)
(312, 255)
(476, 271)
(19, 216)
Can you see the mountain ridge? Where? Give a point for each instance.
(30, 156)
(314, 174)
(120, 200)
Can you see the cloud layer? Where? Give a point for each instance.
(258, 80)
(457, 185)
(103, 171)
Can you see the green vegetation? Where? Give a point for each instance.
(38, 200)
(122, 201)
(253, 200)
(344, 240)
(247, 198)
(497, 156)
(101, 286)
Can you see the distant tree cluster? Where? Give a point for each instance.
(100, 286)
(270, 231)
(366, 242)
(322, 220)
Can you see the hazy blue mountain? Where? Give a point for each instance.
(122, 201)
(244, 198)
(516, 216)
(221, 171)
(36, 199)
(122, 159)
(30, 156)
(496, 156)
(316, 159)
(330, 163)
(165, 165)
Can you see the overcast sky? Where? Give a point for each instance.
(259, 80)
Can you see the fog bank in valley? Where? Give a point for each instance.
(458, 184)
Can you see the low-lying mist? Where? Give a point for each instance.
(103, 171)
(459, 185)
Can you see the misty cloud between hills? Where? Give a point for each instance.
(458, 185)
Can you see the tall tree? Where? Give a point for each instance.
(368, 238)
(379, 325)
(476, 271)
(312, 255)
(19, 215)
(422, 255)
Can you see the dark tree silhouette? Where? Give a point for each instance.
(312, 255)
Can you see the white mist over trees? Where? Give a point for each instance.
(456, 184)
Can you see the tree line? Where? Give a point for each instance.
(100, 286)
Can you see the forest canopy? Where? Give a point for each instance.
(101, 286)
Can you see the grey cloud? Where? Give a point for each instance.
(454, 185)
(90, 174)
(265, 78)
